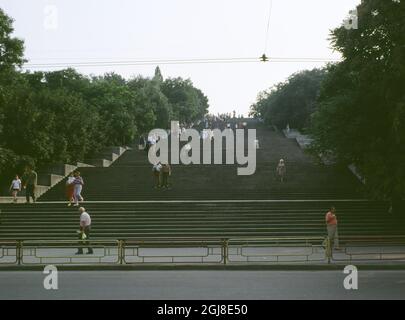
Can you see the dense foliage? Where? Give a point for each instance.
(354, 109)
(63, 116)
(361, 109)
(291, 102)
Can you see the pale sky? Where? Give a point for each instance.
(114, 30)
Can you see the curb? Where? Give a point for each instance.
(163, 267)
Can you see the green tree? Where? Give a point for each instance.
(188, 103)
(361, 114)
(153, 107)
(116, 105)
(291, 102)
(64, 116)
(11, 57)
(11, 48)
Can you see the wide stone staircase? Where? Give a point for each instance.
(208, 201)
(197, 219)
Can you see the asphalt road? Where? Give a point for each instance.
(185, 285)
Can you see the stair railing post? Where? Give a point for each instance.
(19, 252)
(121, 251)
(225, 243)
(328, 250)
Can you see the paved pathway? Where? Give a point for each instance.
(184, 285)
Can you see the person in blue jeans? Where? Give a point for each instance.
(78, 187)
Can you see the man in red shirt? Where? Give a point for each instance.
(331, 225)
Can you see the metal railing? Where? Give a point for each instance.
(8, 252)
(33, 252)
(159, 250)
(370, 248)
(276, 250)
(174, 250)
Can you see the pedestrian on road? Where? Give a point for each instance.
(70, 189)
(84, 233)
(30, 178)
(15, 188)
(78, 187)
(156, 174)
(281, 170)
(166, 171)
(332, 228)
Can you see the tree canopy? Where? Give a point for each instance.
(188, 103)
(64, 116)
(354, 109)
(291, 102)
(11, 48)
(360, 117)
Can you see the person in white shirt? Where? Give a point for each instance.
(15, 188)
(84, 234)
(70, 189)
(156, 174)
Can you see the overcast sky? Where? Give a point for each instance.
(114, 30)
